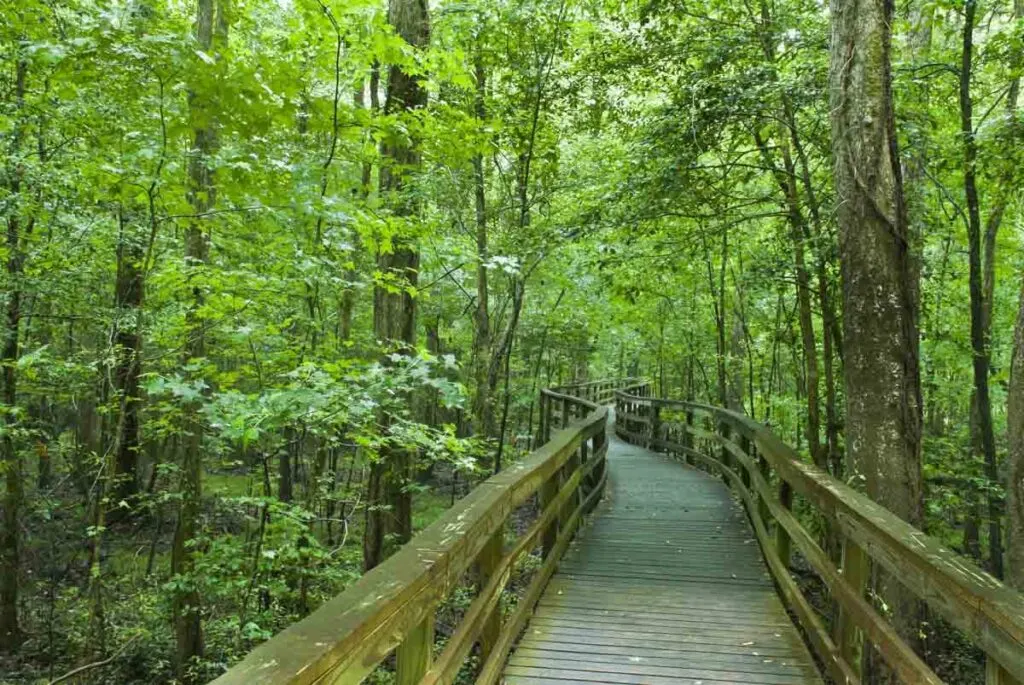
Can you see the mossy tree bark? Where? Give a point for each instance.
(880, 288)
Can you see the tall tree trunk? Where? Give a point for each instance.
(10, 463)
(483, 402)
(211, 31)
(786, 179)
(1015, 401)
(880, 289)
(828, 315)
(979, 334)
(128, 298)
(1015, 467)
(394, 310)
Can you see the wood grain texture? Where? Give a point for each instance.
(666, 585)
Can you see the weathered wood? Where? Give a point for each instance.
(662, 587)
(997, 675)
(488, 565)
(858, 613)
(988, 612)
(490, 672)
(414, 654)
(547, 494)
(762, 504)
(473, 624)
(782, 541)
(655, 424)
(848, 634)
(816, 632)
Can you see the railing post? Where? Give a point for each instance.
(565, 412)
(996, 674)
(725, 456)
(414, 655)
(688, 437)
(655, 427)
(848, 636)
(744, 474)
(548, 492)
(543, 429)
(574, 462)
(586, 453)
(762, 503)
(782, 542)
(487, 564)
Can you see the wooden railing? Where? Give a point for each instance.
(767, 474)
(392, 608)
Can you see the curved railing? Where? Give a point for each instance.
(392, 608)
(767, 473)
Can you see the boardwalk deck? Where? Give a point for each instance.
(666, 586)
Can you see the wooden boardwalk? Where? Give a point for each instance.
(666, 586)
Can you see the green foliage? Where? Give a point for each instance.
(633, 222)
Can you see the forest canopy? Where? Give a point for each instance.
(282, 279)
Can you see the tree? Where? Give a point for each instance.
(1015, 467)
(979, 293)
(211, 33)
(394, 303)
(880, 289)
(19, 223)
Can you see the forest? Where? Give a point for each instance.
(283, 279)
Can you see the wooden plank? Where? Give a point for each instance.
(489, 566)
(415, 653)
(647, 675)
(896, 653)
(624, 655)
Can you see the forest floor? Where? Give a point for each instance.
(56, 595)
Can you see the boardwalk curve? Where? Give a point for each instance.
(666, 586)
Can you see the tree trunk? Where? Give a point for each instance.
(211, 30)
(10, 463)
(880, 289)
(828, 315)
(483, 402)
(394, 309)
(128, 298)
(285, 465)
(979, 334)
(1015, 470)
(1015, 410)
(786, 179)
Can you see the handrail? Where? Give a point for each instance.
(392, 607)
(599, 392)
(988, 612)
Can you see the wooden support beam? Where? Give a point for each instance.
(848, 636)
(782, 541)
(414, 655)
(488, 563)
